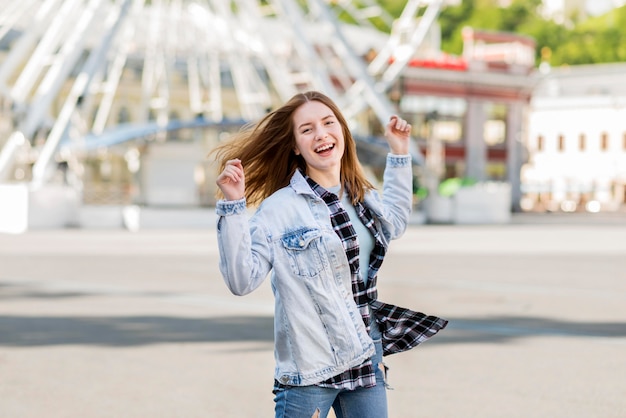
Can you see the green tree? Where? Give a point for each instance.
(596, 40)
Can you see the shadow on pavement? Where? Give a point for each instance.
(32, 331)
(505, 328)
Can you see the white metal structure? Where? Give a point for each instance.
(64, 59)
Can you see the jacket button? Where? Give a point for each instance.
(301, 243)
(284, 379)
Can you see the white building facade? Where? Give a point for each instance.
(576, 141)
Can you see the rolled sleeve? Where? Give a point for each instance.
(395, 161)
(230, 207)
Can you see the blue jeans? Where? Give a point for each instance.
(305, 401)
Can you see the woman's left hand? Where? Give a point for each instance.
(398, 135)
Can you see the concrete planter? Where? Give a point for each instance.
(24, 206)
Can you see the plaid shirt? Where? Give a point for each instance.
(401, 328)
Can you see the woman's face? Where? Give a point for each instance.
(319, 139)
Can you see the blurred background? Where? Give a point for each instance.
(109, 108)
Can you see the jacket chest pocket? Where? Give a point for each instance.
(304, 251)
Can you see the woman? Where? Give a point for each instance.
(322, 230)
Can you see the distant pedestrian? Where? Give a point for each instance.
(322, 230)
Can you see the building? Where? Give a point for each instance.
(577, 140)
(469, 113)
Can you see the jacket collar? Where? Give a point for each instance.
(299, 184)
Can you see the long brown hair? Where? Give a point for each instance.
(266, 151)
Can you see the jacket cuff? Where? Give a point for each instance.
(230, 207)
(394, 160)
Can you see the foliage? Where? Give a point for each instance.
(600, 39)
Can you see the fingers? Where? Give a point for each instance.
(233, 172)
(398, 124)
(398, 134)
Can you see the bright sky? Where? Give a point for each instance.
(594, 7)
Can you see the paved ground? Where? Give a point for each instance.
(102, 323)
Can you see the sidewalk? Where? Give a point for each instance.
(108, 323)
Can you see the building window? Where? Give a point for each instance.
(447, 130)
(561, 143)
(435, 116)
(494, 128)
(604, 141)
(540, 142)
(495, 132)
(582, 142)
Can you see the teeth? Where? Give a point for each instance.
(324, 148)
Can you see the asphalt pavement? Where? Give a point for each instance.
(110, 323)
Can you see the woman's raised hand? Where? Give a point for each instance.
(398, 135)
(232, 180)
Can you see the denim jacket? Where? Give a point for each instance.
(318, 330)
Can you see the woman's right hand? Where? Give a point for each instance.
(232, 180)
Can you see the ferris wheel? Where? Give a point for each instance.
(64, 60)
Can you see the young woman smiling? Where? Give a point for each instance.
(322, 230)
